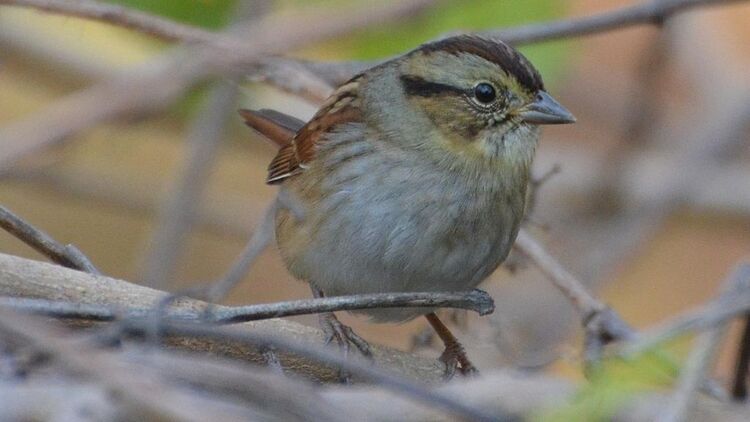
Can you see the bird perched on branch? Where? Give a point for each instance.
(412, 176)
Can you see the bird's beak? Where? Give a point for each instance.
(545, 110)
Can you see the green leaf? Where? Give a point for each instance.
(613, 383)
(210, 14)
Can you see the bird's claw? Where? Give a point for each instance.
(345, 337)
(455, 360)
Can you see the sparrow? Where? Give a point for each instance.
(412, 176)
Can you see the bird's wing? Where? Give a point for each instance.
(298, 142)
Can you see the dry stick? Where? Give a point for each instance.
(648, 12)
(158, 83)
(175, 220)
(742, 367)
(475, 300)
(120, 16)
(292, 76)
(700, 318)
(65, 255)
(204, 138)
(105, 370)
(601, 323)
(28, 278)
(395, 383)
(259, 240)
(85, 109)
(701, 357)
(285, 397)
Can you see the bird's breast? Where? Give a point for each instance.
(380, 222)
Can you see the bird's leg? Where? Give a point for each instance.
(343, 334)
(454, 355)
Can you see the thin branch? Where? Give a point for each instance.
(651, 12)
(408, 388)
(120, 16)
(21, 277)
(287, 398)
(175, 220)
(701, 357)
(475, 300)
(742, 367)
(65, 255)
(106, 370)
(648, 12)
(701, 318)
(259, 240)
(574, 290)
(158, 83)
(101, 367)
(602, 324)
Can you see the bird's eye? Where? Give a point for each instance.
(485, 93)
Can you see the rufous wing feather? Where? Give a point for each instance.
(298, 147)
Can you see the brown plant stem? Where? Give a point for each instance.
(65, 255)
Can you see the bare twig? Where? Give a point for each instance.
(67, 117)
(649, 12)
(697, 364)
(295, 77)
(120, 16)
(742, 367)
(156, 84)
(286, 398)
(176, 218)
(408, 388)
(475, 300)
(601, 323)
(701, 318)
(21, 277)
(259, 240)
(62, 310)
(102, 368)
(65, 255)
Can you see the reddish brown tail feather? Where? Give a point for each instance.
(277, 127)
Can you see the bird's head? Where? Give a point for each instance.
(473, 96)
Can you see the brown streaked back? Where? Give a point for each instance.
(341, 107)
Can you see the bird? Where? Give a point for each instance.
(412, 177)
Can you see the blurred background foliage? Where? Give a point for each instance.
(384, 41)
(388, 40)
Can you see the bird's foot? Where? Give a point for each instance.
(454, 357)
(455, 360)
(345, 337)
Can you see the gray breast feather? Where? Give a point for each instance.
(400, 227)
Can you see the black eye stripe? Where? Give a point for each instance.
(417, 86)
